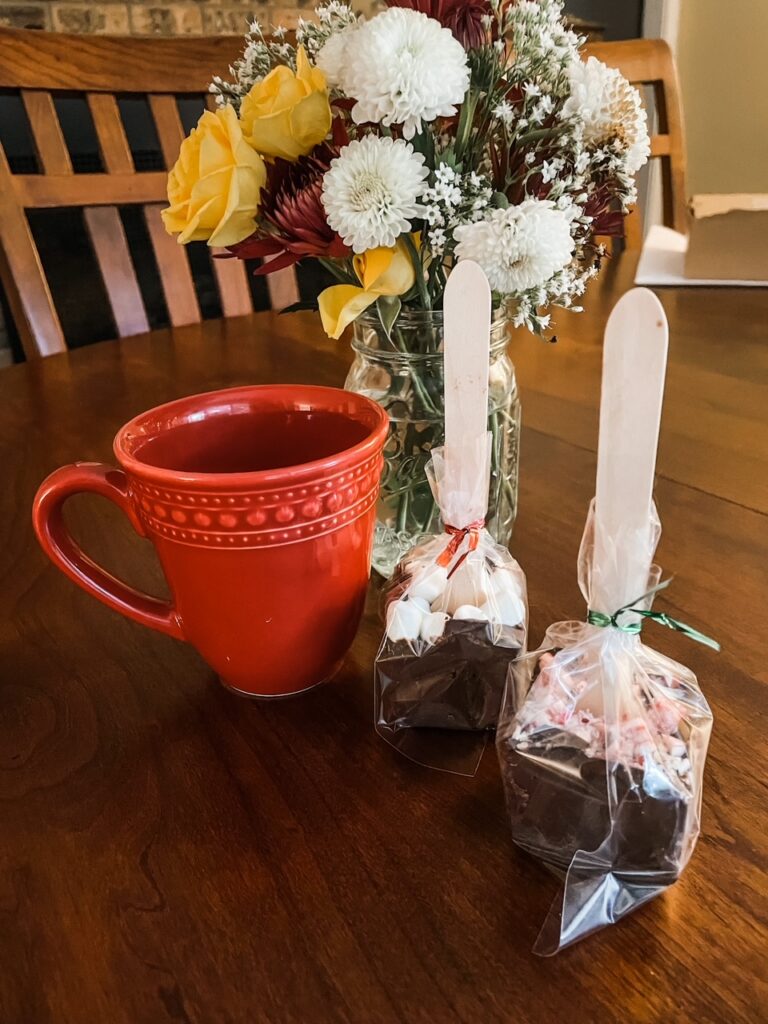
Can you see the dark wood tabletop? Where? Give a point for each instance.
(171, 852)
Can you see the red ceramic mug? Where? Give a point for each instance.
(260, 502)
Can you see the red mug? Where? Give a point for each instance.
(261, 503)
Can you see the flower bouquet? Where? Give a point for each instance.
(388, 149)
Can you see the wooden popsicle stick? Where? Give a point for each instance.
(467, 312)
(634, 368)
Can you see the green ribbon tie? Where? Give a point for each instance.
(601, 619)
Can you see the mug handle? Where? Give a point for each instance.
(65, 553)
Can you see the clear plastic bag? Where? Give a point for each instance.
(456, 617)
(602, 743)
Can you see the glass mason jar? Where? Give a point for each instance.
(405, 376)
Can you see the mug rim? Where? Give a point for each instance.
(372, 443)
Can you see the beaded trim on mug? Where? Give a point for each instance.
(258, 518)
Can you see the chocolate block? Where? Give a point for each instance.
(456, 684)
(558, 800)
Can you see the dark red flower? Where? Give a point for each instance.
(607, 220)
(292, 212)
(463, 17)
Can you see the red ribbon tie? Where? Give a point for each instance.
(457, 535)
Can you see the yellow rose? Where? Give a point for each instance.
(215, 186)
(382, 272)
(287, 114)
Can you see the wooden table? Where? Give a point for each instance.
(169, 852)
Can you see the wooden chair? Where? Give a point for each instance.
(650, 62)
(40, 65)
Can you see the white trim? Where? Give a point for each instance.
(670, 23)
(661, 20)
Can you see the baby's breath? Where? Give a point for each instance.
(262, 53)
(331, 17)
(453, 199)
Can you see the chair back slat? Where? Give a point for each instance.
(113, 144)
(114, 258)
(104, 225)
(282, 286)
(32, 306)
(175, 274)
(49, 141)
(660, 146)
(231, 277)
(170, 132)
(47, 191)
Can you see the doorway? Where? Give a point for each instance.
(622, 20)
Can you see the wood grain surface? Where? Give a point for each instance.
(170, 852)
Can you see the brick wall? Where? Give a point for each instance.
(155, 17)
(151, 17)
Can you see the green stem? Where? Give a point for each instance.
(402, 512)
(413, 484)
(537, 133)
(407, 496)
(496, 476)
(418, 385)
(505, 487)
(430, 511)
(338, 271)
(418, 267)
(510, 492)
(466, 117)
(493, 420)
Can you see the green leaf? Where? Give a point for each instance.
(298, 307)
(500, 201)
(424, 142)
(466, 117)
(388, 307)
(449, 158)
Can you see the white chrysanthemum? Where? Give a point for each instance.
(404, 68)
(334, 55)
(371, 189)
(519, 248)
(610, 109)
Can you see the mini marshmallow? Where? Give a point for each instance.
(506, 608)
(430, 585)
(503, 581)
(433, 626)
(470, 611)
(404, 619)
(467, 586)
